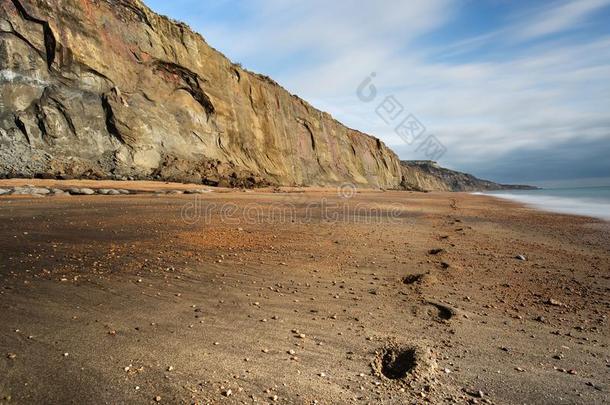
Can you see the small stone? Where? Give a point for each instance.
(227, 393)
(473, 393)
(521, 257)
(31, 190)
(81, 191)
(198, 191)
(40, 190)
(11, 356)
(554, 302)
(157, 398)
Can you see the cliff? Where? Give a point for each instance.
(109, 89)
(429, 176)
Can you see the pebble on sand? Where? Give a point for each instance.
(81, 191)
(108, 191)
(554, 302)
(30, 190)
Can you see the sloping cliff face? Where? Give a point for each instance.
(424, 175)
(108, 89)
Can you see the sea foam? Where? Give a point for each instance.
(565, 205)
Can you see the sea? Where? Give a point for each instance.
(586, 201)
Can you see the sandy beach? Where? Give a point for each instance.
(303, 297)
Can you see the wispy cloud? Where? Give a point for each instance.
(556, 18)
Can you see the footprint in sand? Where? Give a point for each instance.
(434, 311)
(404, 362)
(444, 312)
(420, 279)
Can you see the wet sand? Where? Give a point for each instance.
(263, 297)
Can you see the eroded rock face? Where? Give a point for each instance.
(107, 88)
(429, 176)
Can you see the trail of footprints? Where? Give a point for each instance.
(415, 362)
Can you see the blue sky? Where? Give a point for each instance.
(517, 91)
